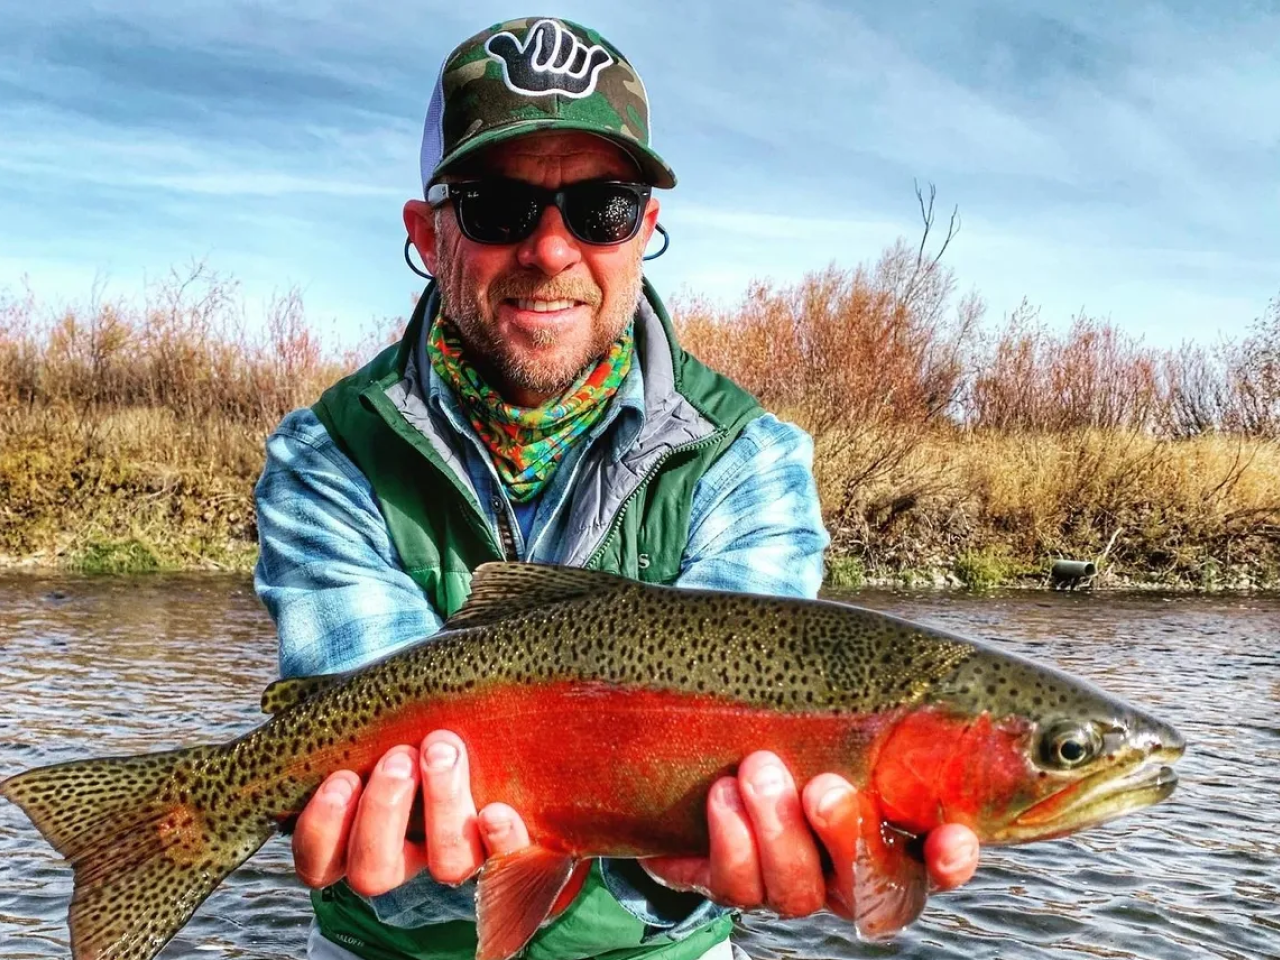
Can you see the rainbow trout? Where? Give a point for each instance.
(602, 710)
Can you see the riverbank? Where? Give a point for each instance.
(947, 451)
(983, 510)
(126, 491)
(143, 490)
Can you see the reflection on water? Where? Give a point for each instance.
(95, 667)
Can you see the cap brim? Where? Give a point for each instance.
(652, 167)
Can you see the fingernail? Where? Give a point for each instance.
(497, 826)
(769, 781)
(398, 765)
(958, 858)
(441, 757)
(728, 796)
(830, 801)
(338, 790)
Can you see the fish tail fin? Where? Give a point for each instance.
(149, 837)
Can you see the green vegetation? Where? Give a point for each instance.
(945, 451)
(981, 569)
(987, 567)
(846, 572)
(115, 556)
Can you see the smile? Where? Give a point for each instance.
(545, 306)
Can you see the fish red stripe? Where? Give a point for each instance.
(596, 767)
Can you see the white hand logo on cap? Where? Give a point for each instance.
(551, 60)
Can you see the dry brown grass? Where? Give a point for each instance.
(131, 434)
(139, 486)
(937, 440)
(187, 348)
(1203, 511)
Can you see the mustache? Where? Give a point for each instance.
(518, 286)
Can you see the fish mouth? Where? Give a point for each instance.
(1102, 796)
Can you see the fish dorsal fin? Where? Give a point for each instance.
(502, 590)
(283, 694)
(515, 894)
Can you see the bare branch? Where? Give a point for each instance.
(925, 265)
(926, 214)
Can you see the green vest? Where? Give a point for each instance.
(595, 925)
(377, 417)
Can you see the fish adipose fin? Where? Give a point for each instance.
(501, 590)
(145, 847)
(283, 694)
(514, 895)
(890, 882)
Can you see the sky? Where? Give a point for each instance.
(1121, 159)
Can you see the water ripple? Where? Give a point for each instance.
(120, 666)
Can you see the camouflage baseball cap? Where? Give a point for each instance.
(527, 75)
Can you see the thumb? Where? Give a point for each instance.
(951, 853)
(504, 46)
(685, 874)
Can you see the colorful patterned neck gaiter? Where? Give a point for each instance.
(527, 443)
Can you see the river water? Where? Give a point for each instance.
(111, 666)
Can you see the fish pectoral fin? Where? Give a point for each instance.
(890, 882)
(283, 694)
(514, 895)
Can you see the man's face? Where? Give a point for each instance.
(534, 314)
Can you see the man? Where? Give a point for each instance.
(537, 408)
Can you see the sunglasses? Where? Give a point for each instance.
(599, 212)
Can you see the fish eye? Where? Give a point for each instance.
(1066, 746)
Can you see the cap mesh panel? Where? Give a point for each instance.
(433, 132)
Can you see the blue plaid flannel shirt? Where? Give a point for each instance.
(331, 579)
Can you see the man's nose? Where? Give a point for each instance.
(551, 248)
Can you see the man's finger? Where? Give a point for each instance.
(831, 806)
(735, 875)
(951, 855)
(789, 862)
(501, 830)
(378, 856)
(454, 850)
(687, 874)
(320, 835)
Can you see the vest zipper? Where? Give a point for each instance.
(713, 437)
(506, 538)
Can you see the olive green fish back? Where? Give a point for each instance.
(529, 624)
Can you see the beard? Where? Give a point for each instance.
(544, 370)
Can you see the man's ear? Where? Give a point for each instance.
(420, 224)
(649, 222)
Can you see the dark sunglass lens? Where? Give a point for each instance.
(602, 213)
(498, 212)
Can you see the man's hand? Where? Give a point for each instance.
(361, 833)
(762, 850)
(763, 853)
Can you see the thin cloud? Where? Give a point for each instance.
(1121, 159)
